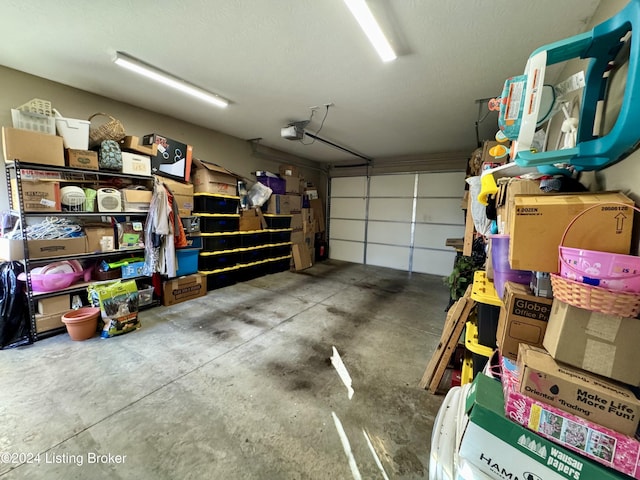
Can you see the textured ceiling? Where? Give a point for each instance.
(273, 59)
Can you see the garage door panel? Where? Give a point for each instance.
(349, 187)
(346, 251)
(347, 229)
(445, 184)
(389, 232)
(388, 256)
(435, 262)
(435, 236)
(439, 210)
(353, 208)
(392, 186)
(396, 209)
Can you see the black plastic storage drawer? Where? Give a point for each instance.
(278, 221)
(276, 251)
(487, 324)
(280, 236)
(221, 279)
(214, 243)
(208, 262)
(254, 255)
(211, 203)
(280, 265)
(219, 223)
(253, 239)
(252, 271)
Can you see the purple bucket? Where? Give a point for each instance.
(502, 271)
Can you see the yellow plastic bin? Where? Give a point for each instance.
(479, 353)
(488, 308)
(466, 376)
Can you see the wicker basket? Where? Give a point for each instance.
(597, 299)
(111, 130)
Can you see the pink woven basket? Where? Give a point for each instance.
(577, 284)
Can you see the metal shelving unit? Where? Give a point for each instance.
(13, 171)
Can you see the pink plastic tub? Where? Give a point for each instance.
(601, 269)
(49, 282)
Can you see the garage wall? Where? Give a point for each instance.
(230, 152)
(399, 221)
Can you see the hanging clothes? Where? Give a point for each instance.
(160, 253)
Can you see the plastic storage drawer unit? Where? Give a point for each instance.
(222, 278)
(488, 308)
(214, 203)
(216, 222)
(278, 221)
(209, 261)
(253, 255)
(216, 242)
(479, 353)
(253, 239)
(280, 236)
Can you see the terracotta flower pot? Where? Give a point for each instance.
(82, 323)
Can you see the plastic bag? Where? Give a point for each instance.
(118, 303)
(14, 312)
(259, 194)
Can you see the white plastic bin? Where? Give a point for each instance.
(74, 133)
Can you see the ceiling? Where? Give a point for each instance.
(274, 59)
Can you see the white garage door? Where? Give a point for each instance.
(397, 221)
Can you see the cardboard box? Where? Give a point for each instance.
(250, 220)
(598, 343)
(594, 441)
(181, 289)
(39, 175)
(56, 247)
(134, 200)
(297, 236)
(136, 164)
(132, 144)
(57, 304)
(97, 236)
(212, 178)
(172, 159)
(283, 204)
(296, 221)
(37, 196)
(610, 404)
(539, 221)
(14, 249)
(291, 184)
(87, 159)
(301, 256)
(318, 213)
(182, 193)
(44, 323)
(289, 171)
(32, 147)
(508, 188)
(523, 319)
(503, 449)
(132, 270)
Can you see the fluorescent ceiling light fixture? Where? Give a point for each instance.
(149, 71)
(365, 18)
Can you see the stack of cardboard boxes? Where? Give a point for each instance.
(307, 215)
(569, 374)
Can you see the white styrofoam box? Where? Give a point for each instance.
(74, 132)
(136, 164)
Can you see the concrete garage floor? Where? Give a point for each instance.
(236, 385)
